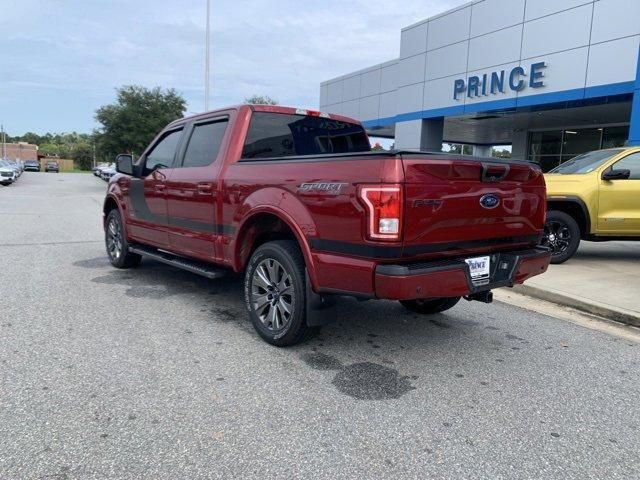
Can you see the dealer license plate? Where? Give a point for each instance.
(480, 267)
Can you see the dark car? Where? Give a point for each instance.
(32, 166)
(52, 166)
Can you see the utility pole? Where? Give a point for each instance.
(4, 142)
(206, 61)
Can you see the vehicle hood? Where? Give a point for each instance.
(558, 184)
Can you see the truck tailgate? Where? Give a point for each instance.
(456, 205)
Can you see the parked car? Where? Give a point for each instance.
(593, 197)
(18, 165)
(97, 170)
(107, 172)
(7, 174)
(298, 202)
(15, 166)
(52, 166)
(32, 166)
(12, 166)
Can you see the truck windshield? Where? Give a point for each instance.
(283, 135)
(587, 162)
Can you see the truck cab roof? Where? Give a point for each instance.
(264, 108)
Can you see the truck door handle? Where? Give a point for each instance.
(204, 188)
(160, 187)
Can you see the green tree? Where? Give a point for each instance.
(502, 153)
(51, 149)
(32, 138)
(260, 100)
(82, 155)
(139, 113)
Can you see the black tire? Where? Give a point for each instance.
(275, 293)
(561, 235)
(116, 243)
(430, 305)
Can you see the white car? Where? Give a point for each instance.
(7, 175)
(15, 165)
(11, 166)
(97, 170)
(107, 173)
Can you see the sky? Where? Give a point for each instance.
(62, 59)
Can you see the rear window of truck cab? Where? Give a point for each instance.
(275, 135)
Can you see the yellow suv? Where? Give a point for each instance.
(594, 196)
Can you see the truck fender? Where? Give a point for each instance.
(109, 200)
(558, 202)
(115, 196)
(288, 209)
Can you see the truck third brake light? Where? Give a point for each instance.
(311, 113)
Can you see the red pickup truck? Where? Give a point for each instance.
(297, 201)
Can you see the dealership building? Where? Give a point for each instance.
(551, 78)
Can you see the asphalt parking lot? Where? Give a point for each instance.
(157, 373)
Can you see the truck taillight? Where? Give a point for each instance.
(384, 210)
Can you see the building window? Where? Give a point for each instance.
(554, 147)
(457, 148)
(613, 137)
(545, 148)
(576, 141)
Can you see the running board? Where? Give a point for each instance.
(193, 266)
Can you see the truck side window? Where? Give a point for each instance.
(630, 162)
(204, 144)
(163, 153)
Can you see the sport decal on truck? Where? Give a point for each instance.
(321, 187)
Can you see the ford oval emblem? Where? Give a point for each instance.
(489, 201)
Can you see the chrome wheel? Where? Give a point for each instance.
(557, 236)
(272, 294)
(114, 239)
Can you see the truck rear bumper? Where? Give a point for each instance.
(452, 278)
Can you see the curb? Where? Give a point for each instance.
(579, 303)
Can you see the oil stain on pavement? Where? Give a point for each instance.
(143, 285)
(151, 280)
(97, 262)
(363, 380)
(156, 280)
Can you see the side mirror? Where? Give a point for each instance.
(124, 164)
(616, 174)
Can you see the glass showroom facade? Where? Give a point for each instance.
(553, 147)
(505, 73)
